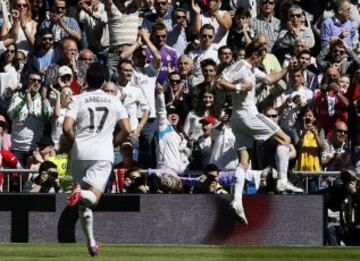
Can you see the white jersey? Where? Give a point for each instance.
(244, 102)
(96, 114)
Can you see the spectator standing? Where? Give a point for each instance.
(295, 29)
(266, 23)
(168, 54)
(5, 138)
(220, 20)
(29, 111)
(205, 50)
(43, 56)
(23, 28)
(339, 26)
(241, 34)
(123, 22)
(8, 68)
(61, 26)
(177, 35)
(95, 20)
(204, 141)
(134, 100)
(163, 12)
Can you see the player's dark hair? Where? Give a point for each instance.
(206, 62)
(96, 75)
(46, 165)
(211, 167)
(254, 47)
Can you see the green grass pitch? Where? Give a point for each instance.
(78, 252)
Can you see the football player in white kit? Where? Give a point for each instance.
(89, 125)
(246, 122)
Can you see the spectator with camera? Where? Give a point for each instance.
(292, 100)
(46, 182)
(337, 152)
(344, 197)
(135, 182)
(209, 182)
(29, 111)
(330, 102)
(311, 141)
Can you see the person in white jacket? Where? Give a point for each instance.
(171, 146)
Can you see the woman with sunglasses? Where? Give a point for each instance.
(23, 27)
(295, 29)
(8, 69)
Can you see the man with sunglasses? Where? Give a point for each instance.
(337, 153)
(177, 35)
(163, 15)
(266, 23)
(339, 55)
(61, 26)
(43, 56)
(29, 111)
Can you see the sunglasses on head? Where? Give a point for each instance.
(272, 115)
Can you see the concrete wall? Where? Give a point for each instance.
(165, 219)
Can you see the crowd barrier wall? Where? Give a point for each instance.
(166, 219)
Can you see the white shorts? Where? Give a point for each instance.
(246, 130)
(93, 172)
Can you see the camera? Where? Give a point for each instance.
(53, 175)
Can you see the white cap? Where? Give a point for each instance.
(65, 70)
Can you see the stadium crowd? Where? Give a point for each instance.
(164, 60)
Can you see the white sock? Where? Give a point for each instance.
(239, 184)
(282, 157)
(88, 197)
(86, 219)
(254, 176)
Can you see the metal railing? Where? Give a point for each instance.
(303, 174)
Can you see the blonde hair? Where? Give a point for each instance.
(28, 12)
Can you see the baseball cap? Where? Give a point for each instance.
(208, 119)
(65, 70)
(171, 109)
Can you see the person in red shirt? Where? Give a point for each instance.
(8, 160)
